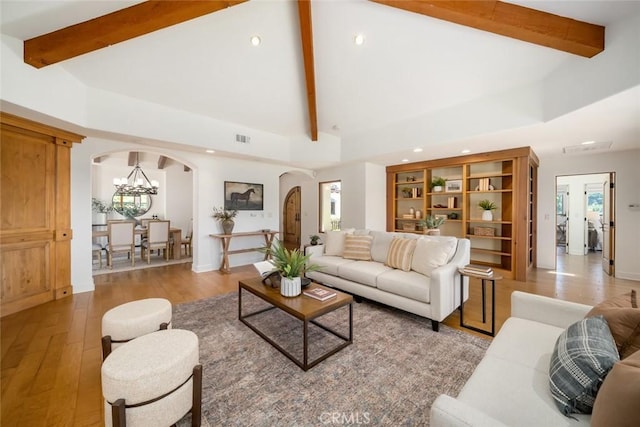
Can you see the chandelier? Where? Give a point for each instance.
(136, 183)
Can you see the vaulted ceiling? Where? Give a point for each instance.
(308, 76)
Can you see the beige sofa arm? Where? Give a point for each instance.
(547, 310)
(447, 411)
(314, 250)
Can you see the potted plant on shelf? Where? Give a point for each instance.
(487, 206)
(226, 219)
(291, 264)
(437, 184)
(314, 239)
(431, 224)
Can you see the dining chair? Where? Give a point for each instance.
(121, 239)
(186, 243)
(96, 249)
(157, 238)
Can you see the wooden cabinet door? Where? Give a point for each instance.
(27, 218)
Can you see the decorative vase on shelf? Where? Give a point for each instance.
(432, 231)
(227, 226)
(290, 287)
(487, 215)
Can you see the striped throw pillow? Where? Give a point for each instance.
(401, 253)
(357, 247)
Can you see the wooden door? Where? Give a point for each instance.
(608, 225)
(35, 218)
(291, 217)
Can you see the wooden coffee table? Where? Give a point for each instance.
(301, 307)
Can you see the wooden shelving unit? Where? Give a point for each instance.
(508, 178)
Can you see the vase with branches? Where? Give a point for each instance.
(225, 217)
(431, 224)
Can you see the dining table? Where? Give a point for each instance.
(175, 233)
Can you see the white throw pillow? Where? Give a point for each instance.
(432, 252)
(334, 242)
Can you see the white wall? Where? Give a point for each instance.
(576, 224)
(209, 173)
(625, 165)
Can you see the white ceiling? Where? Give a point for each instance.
(409, 65)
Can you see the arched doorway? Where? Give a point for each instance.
(291, 219)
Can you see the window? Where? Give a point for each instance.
(329, 206)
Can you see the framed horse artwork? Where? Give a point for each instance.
(243, 196)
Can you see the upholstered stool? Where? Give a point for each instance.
(153, 380)
(133, 319)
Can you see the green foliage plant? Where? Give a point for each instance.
(487, 205)
(431, 221)
(314, 238)
(438, 181)
(289, 263)
(100, 206)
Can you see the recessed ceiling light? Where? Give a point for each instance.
(255, 40)
(210, 151)
(405, 160)
(588, 142)
(359, 39)
(417, 150)
(465, 151)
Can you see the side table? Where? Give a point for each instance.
(484, 280)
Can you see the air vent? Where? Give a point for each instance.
(243, 139)
(576, 149)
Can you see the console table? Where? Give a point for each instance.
(225, 239)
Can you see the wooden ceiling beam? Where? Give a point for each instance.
(116, 27)
(133, 158)
(306, 35)
(518, 22)
(162, 160)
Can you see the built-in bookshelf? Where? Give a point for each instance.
(506, 178)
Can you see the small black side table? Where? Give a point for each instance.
(484, 280)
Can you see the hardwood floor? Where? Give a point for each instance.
(51, 354)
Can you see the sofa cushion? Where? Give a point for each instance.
(400, 253)
(526, 342)
(408, 284)
(380, 245)
(583, 355)
(330, 264)
(357, 247)
(514, 394)
(334, 242)
(618, 398)
(363, 272)
(432, 252)
(623, 317)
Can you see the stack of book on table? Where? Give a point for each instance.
(319, 294)
(478, 270)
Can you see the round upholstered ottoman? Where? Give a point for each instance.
(153, 380)
(133, 319)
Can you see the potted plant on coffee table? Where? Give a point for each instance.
(431, 224)
(226, 219)
(291, 264)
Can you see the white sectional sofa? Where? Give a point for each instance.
(510, 386)
(429, 285)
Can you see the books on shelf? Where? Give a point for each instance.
(319, 294)
(481, 270)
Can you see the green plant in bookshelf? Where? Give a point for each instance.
(487, 205)
(438, 183)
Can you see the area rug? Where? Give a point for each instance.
(390, 375)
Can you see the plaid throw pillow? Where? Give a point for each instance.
(583, 356)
